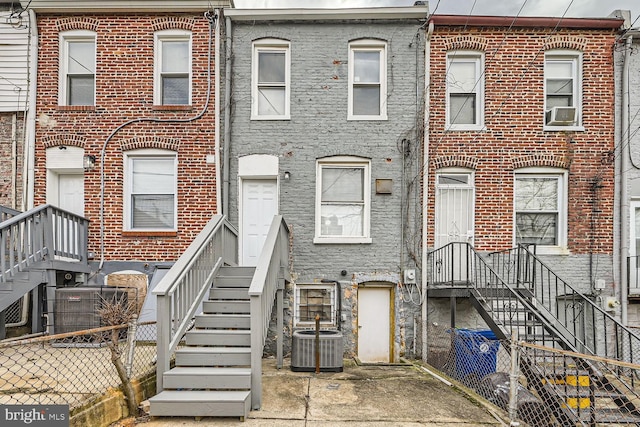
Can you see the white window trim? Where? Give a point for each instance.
(148, 153)
(64, 38)
(576, 57)
(478, 59)
(344, 161)
(158, 38)
(331, 288)
(370, 45)
(271, 45)
(563, 207)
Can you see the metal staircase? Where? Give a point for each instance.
(34, 245)
(515, 292)
(217, 350)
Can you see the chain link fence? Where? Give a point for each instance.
(535, 385)
(74, 368)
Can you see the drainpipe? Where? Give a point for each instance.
(624, 198)
(425, 186)
(14, 158)
(216, 105)
(30, 134)
(227, 120)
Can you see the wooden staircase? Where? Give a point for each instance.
(212, 372)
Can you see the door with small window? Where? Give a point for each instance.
(634, 250)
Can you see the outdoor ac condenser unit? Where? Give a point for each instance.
(76, 308)
(561, 116)
(303, 351)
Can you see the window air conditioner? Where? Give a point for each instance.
(561, 116)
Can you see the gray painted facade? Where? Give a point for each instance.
(318, 128)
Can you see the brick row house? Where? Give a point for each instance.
(520, 143)
(379, 135)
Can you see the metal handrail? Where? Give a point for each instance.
(597, 331)
(269, 277)
(42, 234)
(184, 287)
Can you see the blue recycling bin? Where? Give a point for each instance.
(476, 351)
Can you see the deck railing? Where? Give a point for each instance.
(42, 235)
(184, 287)
(267, 284)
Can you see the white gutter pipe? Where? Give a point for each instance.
(227, 121)
(216, 105)
(28, 174)
(624, 192)
(425, 191)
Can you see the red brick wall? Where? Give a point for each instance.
(514, 136)
(11, 128)
(124, 91)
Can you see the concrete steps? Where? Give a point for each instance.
(212, 373)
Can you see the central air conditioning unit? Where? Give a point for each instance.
(303, 351)
(561, 116)
(77, 308)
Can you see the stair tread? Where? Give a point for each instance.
(196, 349)
(220, 331)
(200, 396)
(200, 370)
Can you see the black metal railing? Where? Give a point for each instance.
(592, 329)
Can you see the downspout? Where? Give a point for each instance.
(216, 105)
(227, 119)
(425, 187)
(624, 198)
(28, 174)
(14, 158)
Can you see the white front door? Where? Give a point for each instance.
(454, 208)
(374, 324)
(71, 193)
(259, 205)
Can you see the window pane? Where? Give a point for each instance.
(315, 301)
(175, 56)
(152, 211)
(175, 90)
(342, 184)
(538, 228)
(80, 90)
(462, 77)
(558, 69)
(81, 57)
(559, 101)
(271, 101)
(341, 220)
(271, 67)
(366, 101)
(539, 194)
(366, 68)
(463, 108)
(153, 176)
(454, 179)
(564, 86)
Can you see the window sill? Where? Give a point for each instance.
(342, 240)
(465, 128)
(564, 128)
(552, 250)
(172, 107)
(150, 233)
(367, 118)
(262, 118)
(76, 108)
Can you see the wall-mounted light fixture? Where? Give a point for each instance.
(89, 162)
(287, 176)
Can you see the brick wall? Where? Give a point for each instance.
(11, 129)
(514, 136)
(124, 91)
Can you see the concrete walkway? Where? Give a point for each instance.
(377, 396)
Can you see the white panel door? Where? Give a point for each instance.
(71, 193)
(259, 205)
(374, 324)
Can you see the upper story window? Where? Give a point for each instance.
(540, 201)
(150, 187)
(367, 80)
(563, 94)
(172, 68)
(270, 80)
(343, 200)
(465, 91)
(77, 68)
